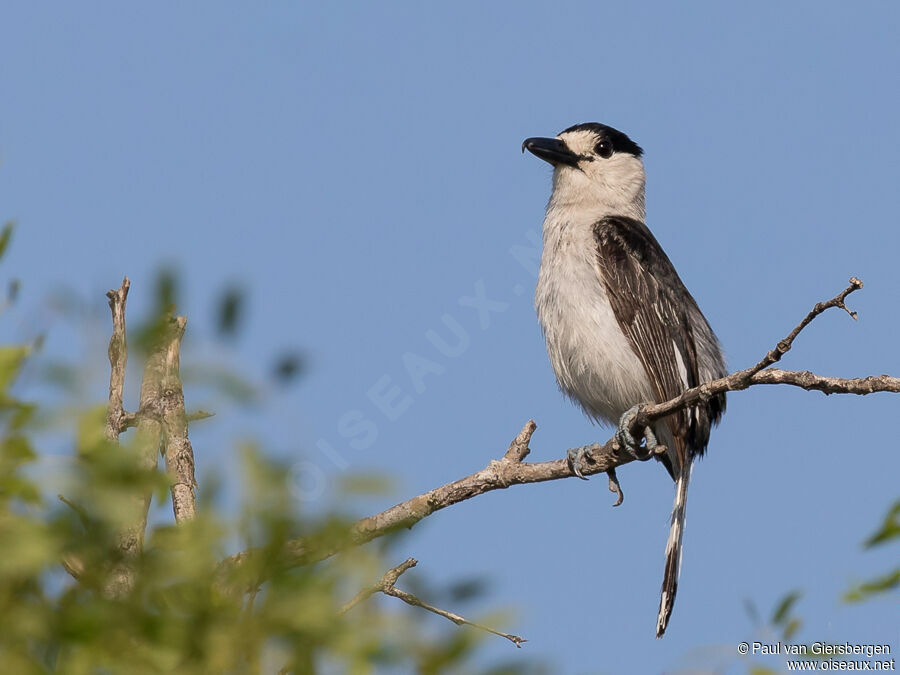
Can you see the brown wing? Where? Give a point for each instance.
(657, 313)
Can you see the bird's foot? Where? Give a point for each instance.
(627, 440)
(575, 457)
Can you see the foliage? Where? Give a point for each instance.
(888, 532)
(785, 624)
(183, 615)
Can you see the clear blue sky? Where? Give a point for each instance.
(357, 168)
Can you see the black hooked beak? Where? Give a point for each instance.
(551, 150)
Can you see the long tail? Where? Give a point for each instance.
(673, 550)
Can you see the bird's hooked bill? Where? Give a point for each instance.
(550, 150)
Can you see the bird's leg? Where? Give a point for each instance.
(627, 440)
(575, 457)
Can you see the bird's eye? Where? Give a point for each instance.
(604, 149)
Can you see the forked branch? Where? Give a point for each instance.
(386, 585)
(513, 470)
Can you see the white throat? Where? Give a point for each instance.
(578, 197)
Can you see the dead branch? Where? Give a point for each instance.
(161, 418)
(130, 419)
(757, 375)
(386, 585)
(512, 470)
(179, 454)
(117, 419)
(118, 359)
(147, 446)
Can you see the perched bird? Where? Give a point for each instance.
(620, 326)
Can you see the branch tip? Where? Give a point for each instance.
(387, 586)
(199, 415)
(518, 450)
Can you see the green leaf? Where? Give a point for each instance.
(890, 528)
(167, 290)
(231, 311)
(288, 366)
(15, 451)
(784, 607)
(5, 236)
(11, 359)
(790, 630)
(875, 586)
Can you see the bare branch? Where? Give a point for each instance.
(784, 346)
(118, 358)
(389, 579)
(179, 454)
(147, 441)
(804, 379)
(518, 449)
(130, 419)
(386, 586)
(599, 458)
(499, 474)
(747, 377)
(161, 416)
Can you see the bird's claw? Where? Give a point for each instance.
(626, 439)
(575, 456)
(615, 487)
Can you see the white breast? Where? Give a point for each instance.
(593, 360)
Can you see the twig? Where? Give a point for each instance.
(784, 346)
(79, 511)
(387, 580)
(518, 449)
(130, 420)
(179, 454)
(511, 470)
(747, 377)
(386, 586)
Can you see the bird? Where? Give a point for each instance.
(621, 328)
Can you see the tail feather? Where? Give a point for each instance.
(673, 550)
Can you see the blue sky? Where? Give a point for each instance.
(357, 169)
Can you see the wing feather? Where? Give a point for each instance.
(660, 318)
